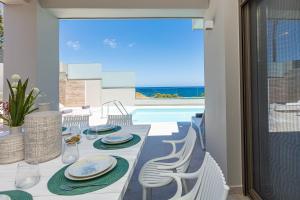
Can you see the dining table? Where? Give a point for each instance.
(115, 191)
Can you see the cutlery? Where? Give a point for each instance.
(73, 187)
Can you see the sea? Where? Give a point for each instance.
(185, 92)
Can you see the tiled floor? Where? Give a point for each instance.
(237, 197)
(158, 133)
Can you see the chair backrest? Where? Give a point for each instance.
(187, 150)
(125, 120)
(76, 120)
(211, 184)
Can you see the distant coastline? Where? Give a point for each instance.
(170, 92)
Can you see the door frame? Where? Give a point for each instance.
(246, 99)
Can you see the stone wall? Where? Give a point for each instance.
(72, 92)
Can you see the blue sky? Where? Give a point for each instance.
(287, 40)
(162, 52)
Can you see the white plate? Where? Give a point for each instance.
(68, 176)
(117, 138)
(90, 166)
(4, 197)
(102, 128)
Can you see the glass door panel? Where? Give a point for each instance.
(275, 70)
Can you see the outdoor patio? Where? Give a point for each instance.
(159, 132)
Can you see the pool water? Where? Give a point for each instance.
(155, 115)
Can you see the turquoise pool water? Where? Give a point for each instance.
(154, 115)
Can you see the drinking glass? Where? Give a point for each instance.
(28, 175)
(70, 153)
(91, 135)
(75, 130)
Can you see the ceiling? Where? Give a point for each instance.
(126, 8)
(127, 4)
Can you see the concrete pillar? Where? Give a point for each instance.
(31, 47)
(222, 76)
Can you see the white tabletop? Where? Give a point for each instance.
(115, 191)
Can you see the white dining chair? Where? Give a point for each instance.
(210, 184)
(82, 121)
(150, 177)
(121, 120)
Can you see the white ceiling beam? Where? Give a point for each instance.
(126, 4)
(81, 13)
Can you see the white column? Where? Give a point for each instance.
(31, 47)
(222, 76)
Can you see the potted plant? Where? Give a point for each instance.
(19, 104)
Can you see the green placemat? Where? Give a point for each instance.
(59, 179)
(100, 145)
(104, 132)
(17, 195)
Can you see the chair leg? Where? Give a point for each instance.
(144, 193)
(185, 187)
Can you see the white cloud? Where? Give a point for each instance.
(75, 45)
(110, 42)
(130, 45)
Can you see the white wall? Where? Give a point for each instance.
(233, 100)
(84, 71)
(118, 79)
(125, 95)
(139, 4)
(31, 47)
(93, 92)
(20, 44)
(48, 55)
(222, 76)
(215, 91)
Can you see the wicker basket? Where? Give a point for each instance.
(43, 139)
(11, 148)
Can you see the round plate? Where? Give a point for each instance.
(4, 197)
(117, 138)
(68, 176)
(90, 166)
(102, 128)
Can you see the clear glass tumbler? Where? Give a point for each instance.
(28, 175)
(75, 130)
(70, 153)
(92, 135)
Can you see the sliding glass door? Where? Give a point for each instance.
(271, 92)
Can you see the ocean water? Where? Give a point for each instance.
(184, 92)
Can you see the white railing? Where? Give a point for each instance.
(118, 104)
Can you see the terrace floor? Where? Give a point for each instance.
(159, 132)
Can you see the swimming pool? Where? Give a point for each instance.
(155, 115)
